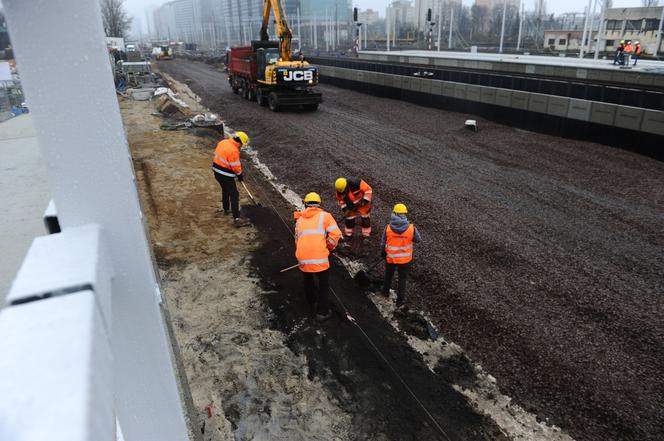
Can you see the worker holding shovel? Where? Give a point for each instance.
(316, 234)
(227, 167)
(397, 243)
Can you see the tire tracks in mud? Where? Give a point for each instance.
(524, 263)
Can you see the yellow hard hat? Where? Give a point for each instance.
(340, 184)
(243, 137)
(400, 209)
(311, 198)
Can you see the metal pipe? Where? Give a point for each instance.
(387, 28)
(585, 29)
(605, 5)
(449, 39)
(440, 26)
(659, 34)
(521, 16)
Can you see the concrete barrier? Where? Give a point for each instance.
(473, 93)
(557, 106)
(460, 91)
(602, 113)
(488, 95)
(519, 100)
(448, 88)
(628, 117)
(538, 103)
(504, 97)
(579, 109)
(653, 122)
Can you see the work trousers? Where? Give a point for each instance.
(230, 197)
(321, 299)
(350, 225)
(403, 270)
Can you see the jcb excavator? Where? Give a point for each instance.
(265, 71)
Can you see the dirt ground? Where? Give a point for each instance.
(250, 348)
(543, 257)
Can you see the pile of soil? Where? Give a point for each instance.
(542, 256)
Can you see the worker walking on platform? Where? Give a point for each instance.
(397, 244)
(354, 197)
(227, 167)
(316, 234)
(637, 51)
(627, 53)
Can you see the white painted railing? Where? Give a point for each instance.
(82, 339)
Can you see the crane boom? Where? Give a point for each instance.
(283, 31)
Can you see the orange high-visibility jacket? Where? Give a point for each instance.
(637, 49)
(316, 233)
(356, 189)
(399, 246)
(629, 48)
(226, 160)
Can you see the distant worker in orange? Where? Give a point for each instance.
(397, 244)
(355, 197)
(637, 51)
(629, 50)
(316, 235)
(227, 167)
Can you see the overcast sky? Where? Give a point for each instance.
(137, 7)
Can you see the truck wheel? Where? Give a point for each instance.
(273, 102)
(251, 94)
(260, 97)
(240, 88)
(234, 87)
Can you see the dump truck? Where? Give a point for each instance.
(265, 72)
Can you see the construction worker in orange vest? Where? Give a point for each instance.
(227, 167)
(627, 53)
(637, 51)
(397, 244)
(316, 234)
(620, 52)
(354, 197)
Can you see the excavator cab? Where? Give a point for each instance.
(272, 70)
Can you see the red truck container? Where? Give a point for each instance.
(288, 83)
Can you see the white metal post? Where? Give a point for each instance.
(80, 133)
(315, 34)
(658, 43)
(592, 26)
(521, 16)
(601, 28)
(387, 28)
(299, 29)
(440, 26)
(502, 28)
(449, 39)
(585, 29)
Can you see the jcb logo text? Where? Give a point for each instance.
(298, 75)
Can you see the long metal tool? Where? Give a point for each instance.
(249, 193)
(289, 268)
(362, 276)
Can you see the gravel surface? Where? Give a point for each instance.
(542, 256)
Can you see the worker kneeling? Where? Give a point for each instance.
(354, 197)
(316, 234)
(397, 243)
(227, 167)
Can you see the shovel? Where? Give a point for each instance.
(362, 277)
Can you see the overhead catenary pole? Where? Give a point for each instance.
(605, 5)
(658, 43)
(440, 26)
(449, 39)
(315, 34)
(521, 17)
(585, 29)
(591, 27)
(387, 28)
(299, 31)
(502, 28)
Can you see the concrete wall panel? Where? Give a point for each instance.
(628, 117)
(473, 92)
(538, 103)
(426, 86)
(460, 91)
(557, 106)
(653, 122)
(488, 95)
(436, 87)
(579, 109)
(519, 100)
(448, 88)
(504, 97)
(601, 113)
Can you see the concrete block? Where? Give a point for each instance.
(460, 91)
(618, 77)
(484, 65)
(448, 88)
(579, 109)
(380, 79)
(658, 80)
(358, 76)
(602, 113)
(488, 95)
(557, 106)
(416, 60)
(397, 81)
(426, 85)
(436, 87)
(628, 117)
(604, 75)
(645, 79)
(519, 100)
(581, 73)
(530, 68)
(538, 102)
(504, 97)
(653, 122)
(406, 83)
(473, 93)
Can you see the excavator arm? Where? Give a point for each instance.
(283, 31)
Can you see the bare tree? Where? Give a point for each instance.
(115, 18)
(649, 3)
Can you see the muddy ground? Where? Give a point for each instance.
(249, 345)
(543, 257)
